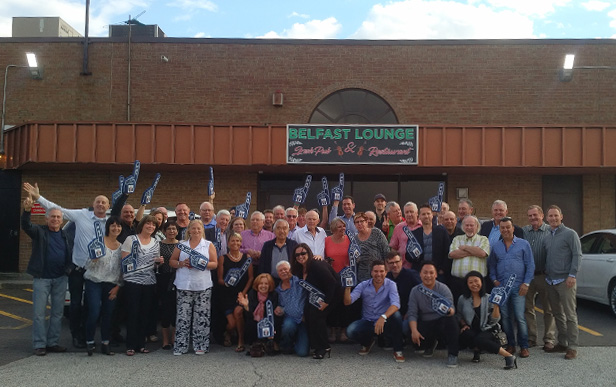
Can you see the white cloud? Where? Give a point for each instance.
(192, 5)
(595, 5)
(313, 29)
(201, 35)
(102, 14)
(422, 19)
(300, 15)
(612, 15)
(539, 8)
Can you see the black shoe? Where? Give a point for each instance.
(40, 352)
(91, 348)
(77, 343)
(476, 357)
(106, 351)
(56, 349)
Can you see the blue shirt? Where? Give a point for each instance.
(518, 259)
(292, 300)
(350, 221)
(494, 234)
(374, 303)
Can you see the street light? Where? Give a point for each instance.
(35, 72)
(566, 73)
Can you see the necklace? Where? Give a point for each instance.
(234, 258)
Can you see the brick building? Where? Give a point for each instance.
(493, 117)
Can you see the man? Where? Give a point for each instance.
(269, 220)
(291, 300)
(312, 235)
(399, 239)
(291, 216)
(277, 250)
(380, 305)
(434, 242)
(370, 218)
(451, 225)
(440, 215)
(348, 209)
(512, 255)
(468, 252)
(379, 210)
(535, 233)
(223, 217)
(405, 279)
(206, 211)
(182, 213)
(85, 232)
(279, 212)
(254, 238)
(428, 325)
(491, 229)
(562, 262)
(49, 262)
(394, 216)
(465, 208)
(129, 225)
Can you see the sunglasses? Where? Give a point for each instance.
(300, 254)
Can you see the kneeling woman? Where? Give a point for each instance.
(194, 292)
(255, 309)
(477, 317)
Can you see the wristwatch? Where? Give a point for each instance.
(384, 317)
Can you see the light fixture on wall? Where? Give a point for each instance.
(566, 72)
(277, 98)
(35, 72)
(462, 193)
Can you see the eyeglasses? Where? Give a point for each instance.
(300, 254)
(292, 216)
(360, 221)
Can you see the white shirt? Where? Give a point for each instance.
(315, 242)
(194, 279)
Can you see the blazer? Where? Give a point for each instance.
(440, 246)
(265, 262)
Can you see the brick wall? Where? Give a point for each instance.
(599, 202)
(218, 81)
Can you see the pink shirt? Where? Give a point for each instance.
(339, 252)
(399, 241)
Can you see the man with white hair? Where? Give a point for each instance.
(312, 235)
(291, 217)
(492, 229)
(206, 211)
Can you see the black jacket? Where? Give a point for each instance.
(40, 240)
(440, 246)
(265, 261)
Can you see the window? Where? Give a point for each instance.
(353, 106)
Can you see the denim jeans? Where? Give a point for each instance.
(47, 334)
(362, 331)
(294, 336)
(99, 304)
(513, 311)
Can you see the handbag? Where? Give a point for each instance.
(499, 335)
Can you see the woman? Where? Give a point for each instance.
(229, 293)
(159, 234)
(102, 282)
(194, 292)
(322, 277)
(165, 291)
(337, 249)
(372, 244)
(152, 324)
(140, 283)
(237, 225)
(477, 318)
(255, 309)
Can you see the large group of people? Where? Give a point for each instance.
(280, 283)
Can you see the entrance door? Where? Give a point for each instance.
(565, 191)
(10, 207)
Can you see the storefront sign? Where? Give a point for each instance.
(352, 144)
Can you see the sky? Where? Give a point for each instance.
(336, 19)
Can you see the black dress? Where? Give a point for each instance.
(228, 294)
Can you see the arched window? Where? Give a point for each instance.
(353, 106)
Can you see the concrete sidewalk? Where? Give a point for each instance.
(223, 367)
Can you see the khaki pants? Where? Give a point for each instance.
(563, 303)
(539, 288)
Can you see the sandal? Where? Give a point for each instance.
(143, 350)
(240, 348)
(130, 352)
(227, 341)
(167, 346)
